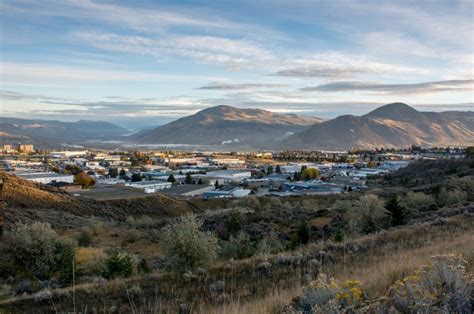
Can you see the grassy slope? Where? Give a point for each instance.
(376, 259)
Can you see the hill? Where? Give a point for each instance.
(225, 125)
(392, 125)
(52, 131)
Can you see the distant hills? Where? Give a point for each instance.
(392, 125)
(228, 126)
(51, 131)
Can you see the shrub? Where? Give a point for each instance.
(373, 215)
(186, 246)
(143, 267)
(38, 248)
(84, 238)
(449, 198)
(238, 247)
(303, 232)
(418, 201)
(234, 223)
(269, 245)
(444, 286)
(118, 265)
(91, 260)
(331, 296)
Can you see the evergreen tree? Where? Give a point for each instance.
(122, 173)
(136, 177)
(278, 169)
(216, 184)
(270, 169)
(200, 181)
(396, 209)
(171, 178)
(189, 179)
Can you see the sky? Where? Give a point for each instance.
(144, 63)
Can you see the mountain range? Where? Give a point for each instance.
(392, 125)
(228, 126)
(53, 131)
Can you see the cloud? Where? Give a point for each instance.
(64, 76)
(231, 52)
(414, 88)
(330, 65)
(242, 86)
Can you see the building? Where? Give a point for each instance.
(46, 177)
(226, 192)
(150, 186)
(190, 189)
(228, 176)
(26, 148)
(67, 154)
(310, 187)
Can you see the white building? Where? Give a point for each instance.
(67, 154)
(150, 186)
(47, 177)
(228, 176)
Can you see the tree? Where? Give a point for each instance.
(84, 179)
(373, 215)
(278, 169)
(397, 211)
(310, 173)
(136, 177)
(303, 232)
(118, 265)
(216, 184)
(270, 169)
(122, 173)
(189, 179)
(113, 172)
(171, 179)
(296, 176)
(200, 182)
(186, 246)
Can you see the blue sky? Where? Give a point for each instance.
(143, 63)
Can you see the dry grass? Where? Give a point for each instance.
(378, 272)
(268, 304)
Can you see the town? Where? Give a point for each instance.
(102, 175)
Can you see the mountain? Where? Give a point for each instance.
(392, 125)
(225, 125)
(52, 131)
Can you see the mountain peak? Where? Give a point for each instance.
(395, 111)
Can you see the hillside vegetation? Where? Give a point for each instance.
(255, 255)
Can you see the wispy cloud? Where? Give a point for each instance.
(58, 75)
(230, 52)
(415, 88)
(241, 86)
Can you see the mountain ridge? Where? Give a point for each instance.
(224, 125)
(391, 125)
